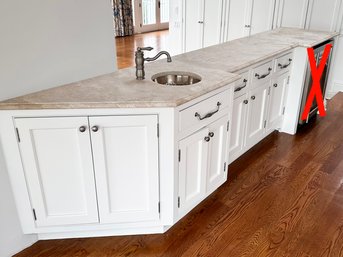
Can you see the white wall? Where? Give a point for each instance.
(336, 73)
(45, 44)
(53, 42)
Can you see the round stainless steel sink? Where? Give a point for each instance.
(177, 78)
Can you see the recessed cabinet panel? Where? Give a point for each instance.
(323, 15)
(126, 166)
(193, 25)
(216, 172)
(276, 104)
(57, 160)
(192, 170)
(238, 19)
(212, 22)
(237, 127)
(292, 13)
(262, 16)
(257, 114)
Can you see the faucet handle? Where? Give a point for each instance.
(149, 48)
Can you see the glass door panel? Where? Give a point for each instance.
(164, 10)
(149, 12)
(150, 15)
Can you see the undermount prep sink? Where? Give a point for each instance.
(177, 78)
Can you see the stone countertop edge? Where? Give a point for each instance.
(123, 88)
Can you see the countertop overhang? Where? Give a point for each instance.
(217, 65)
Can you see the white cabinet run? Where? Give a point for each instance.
(77, 167)
(259, 104)
(202, 25)
(248, 17)
(321, 15)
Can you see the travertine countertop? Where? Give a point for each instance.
(216, 65)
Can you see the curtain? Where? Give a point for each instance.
(123, 17)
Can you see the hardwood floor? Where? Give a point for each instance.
(126, 46)
(283, 198)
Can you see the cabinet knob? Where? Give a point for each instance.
(207, 139)
(247, 26)
(253, 97)
(275, 85)
(200, 22)
(245, 101)
(95, 128)
(82, 129)
(211, 134)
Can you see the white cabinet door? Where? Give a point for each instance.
(217, 159)
(212, 22)
(125, 150)
(323, 15)
(238, 125)
(292, 13)
(277, 102)
(192, 170)
(257, 114)
(238, 19)
(262, 15)
(57, 161)
(193, 25)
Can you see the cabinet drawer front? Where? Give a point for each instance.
(284, 63)
(241, 86)
(262, 73)
(204, 112)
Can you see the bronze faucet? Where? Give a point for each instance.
(140, 73)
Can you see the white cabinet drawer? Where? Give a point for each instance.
(241, 86)
(262, 73)
(283, 63)
(203, 113)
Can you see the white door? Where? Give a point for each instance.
(192, 170)
(57, 160)
(262, 16)
(292, 13)
(150, 15)
(323, 15)
(238, 24)
(125, 150)
(277, 102)
(256, 120)
(217, 154)
(193, 25)
(212, 22)
(238, 125)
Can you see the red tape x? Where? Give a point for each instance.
(316, 76)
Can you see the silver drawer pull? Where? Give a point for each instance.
(258, 76)
(284, 66)
(244, 85)
(208, 115)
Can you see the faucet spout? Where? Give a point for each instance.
(169, 59)
(140, 73)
